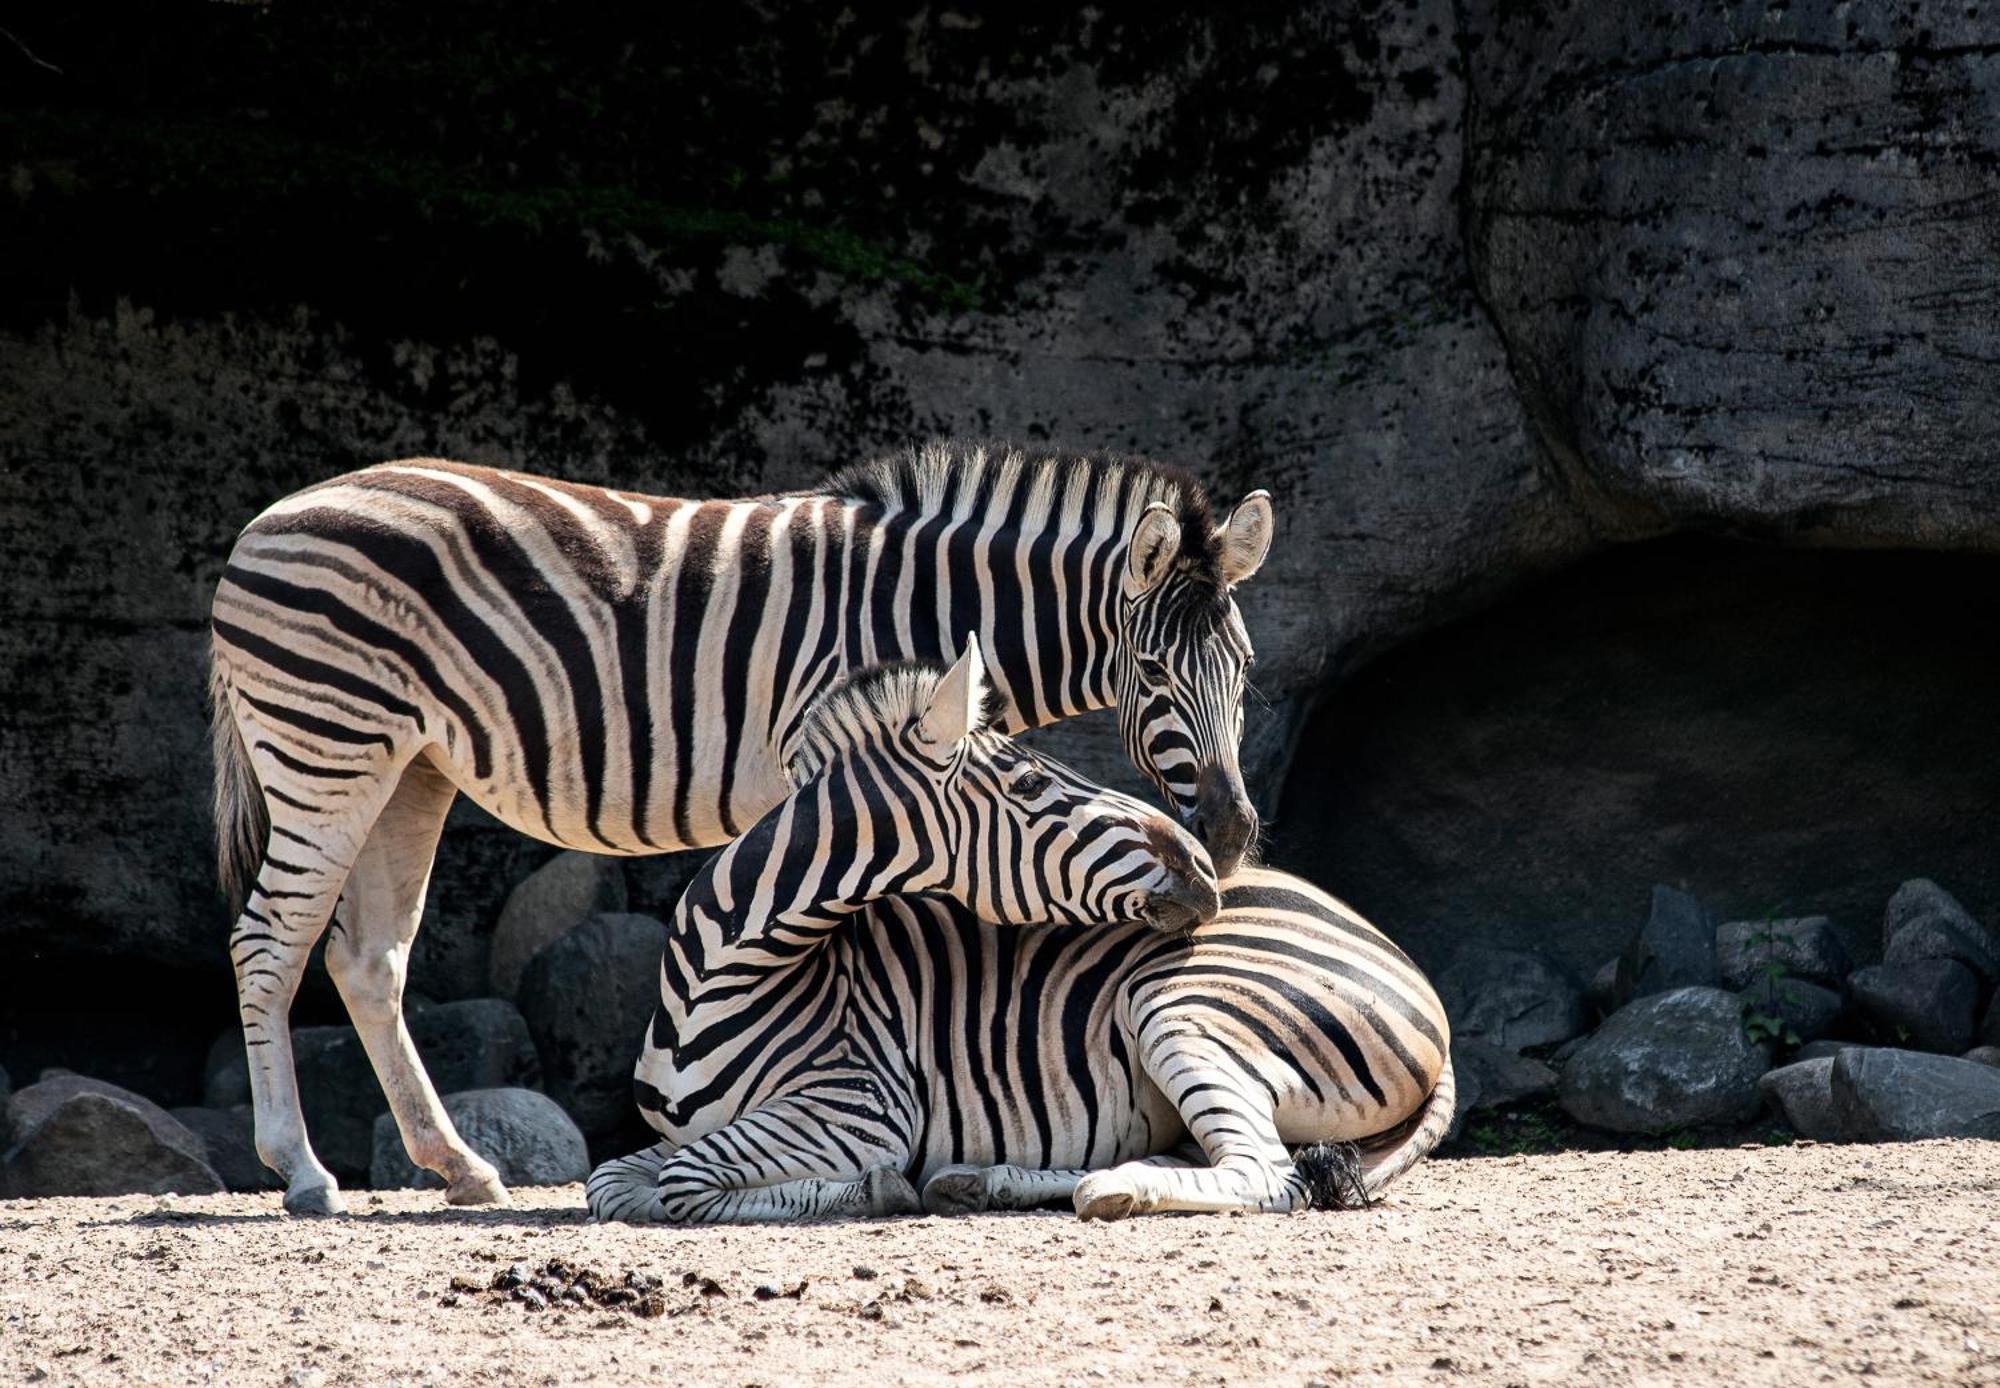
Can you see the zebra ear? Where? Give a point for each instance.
(1245, 538)
(1156, 541)
(955, 706)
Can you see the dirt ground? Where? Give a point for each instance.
(1807, 1264)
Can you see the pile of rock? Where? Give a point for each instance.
(1695, 1014)
(531, 1076)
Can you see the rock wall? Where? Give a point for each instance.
(1474, 289)
(1780, 732)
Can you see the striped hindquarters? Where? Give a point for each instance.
(1328, 1016)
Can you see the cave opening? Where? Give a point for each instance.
(1782, 732)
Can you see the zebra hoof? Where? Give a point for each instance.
(889, 1192)
(1099, 1199)
(315, 1200)
(957, 1190)
(477, 1188)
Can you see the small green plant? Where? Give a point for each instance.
(1681, 1140)
(1763, 1017)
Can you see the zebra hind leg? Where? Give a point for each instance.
(779, 1163)
(291, 899)
(368, 956)
(1229, 1112)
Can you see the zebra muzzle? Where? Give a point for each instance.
(1182, 904)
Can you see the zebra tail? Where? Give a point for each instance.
(1388, 1156)
(242, 823)
(1347, 1175)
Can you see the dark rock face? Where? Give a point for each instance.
(527, 1137)
(1674, 949)
(1881, 1094)
(1779, 732)
(1930, 1004)
(1715, 303)
(1669, 1060)
(78, 1136)
(589, 998)
(1807, 949)
(1510, 999)
(1475, 289)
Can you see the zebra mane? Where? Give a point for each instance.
(940, 475)
(870, 706)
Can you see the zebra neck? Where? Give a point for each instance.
(1042, 599)
(772, 898)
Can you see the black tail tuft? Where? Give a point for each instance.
(1332, 1173)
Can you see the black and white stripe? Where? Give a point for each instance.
(819, 1069)
(753, 1070)
(623, 674)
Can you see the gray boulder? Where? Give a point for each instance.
(1675, 948)
(1667, 1060)
(1802, 1094)
(589, 998)
(1927, 1004)
(1807, 948)
(1904, 1095)
(1511, 999)
(1984, 1055)
(549, 903)
(527, 1137)
(1805, 1010)
(1924, 921)
(477, 1043)
(1989, 1030)
(1494, 1077)
(6, 1093)
(78, 1136)
(229, 1138)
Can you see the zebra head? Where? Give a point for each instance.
(1182, 661)
(950, 804)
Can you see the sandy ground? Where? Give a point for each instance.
(1808, 1264)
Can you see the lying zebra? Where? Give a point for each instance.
(823, 1032)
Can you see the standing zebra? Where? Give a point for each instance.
(622, 674)
(824, 1033)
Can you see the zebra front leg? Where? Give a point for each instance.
(789, 1160)
(368, 956)
(959, 1190)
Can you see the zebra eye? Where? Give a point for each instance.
(1152, 671)
(1030, 784)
